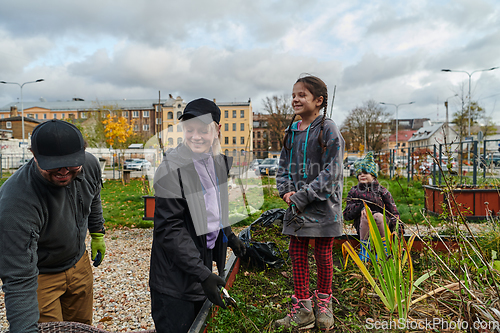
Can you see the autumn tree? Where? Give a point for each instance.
(280, 113)
(461, 118)
(117, 130)
(369, 117)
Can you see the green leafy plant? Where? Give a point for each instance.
(391, 265)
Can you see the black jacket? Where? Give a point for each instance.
(179, 260)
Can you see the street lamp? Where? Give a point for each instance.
(470, 75)
(397, 107)
(447, 134)
(22, 104)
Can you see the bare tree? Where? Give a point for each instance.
(370, 118)
(280, 113)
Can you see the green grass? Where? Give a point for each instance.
(123, 205)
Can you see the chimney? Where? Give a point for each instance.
(13, 111)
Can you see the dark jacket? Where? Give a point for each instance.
(179, 255)
(43, 229)
(376, 197)
(318, 182)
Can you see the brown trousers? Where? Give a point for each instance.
(67, 296)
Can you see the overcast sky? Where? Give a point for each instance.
(233, 50)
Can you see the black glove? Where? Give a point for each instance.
(237, 245)
(210, 287)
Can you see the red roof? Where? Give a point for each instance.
(402, 135)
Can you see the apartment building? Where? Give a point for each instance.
(149, 117)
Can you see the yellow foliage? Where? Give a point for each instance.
(117, 130)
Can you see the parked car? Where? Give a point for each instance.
(23, 162)
(494, 158)
(128, 161)
(268, 166)
(254, 164)
(349, 160)
(139, 165)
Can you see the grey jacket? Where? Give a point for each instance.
(43, 229)
(317, 180)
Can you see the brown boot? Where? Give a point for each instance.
(323, 311)
(302, 315)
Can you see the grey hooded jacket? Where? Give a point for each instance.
(317, 179)
(43, 229)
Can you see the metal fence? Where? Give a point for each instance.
(466, 159)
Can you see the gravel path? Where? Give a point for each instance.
(121, 291)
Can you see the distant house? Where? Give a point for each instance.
(14, 124)
(403, 138)
(432, 134)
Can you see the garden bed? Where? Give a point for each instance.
(474, 203)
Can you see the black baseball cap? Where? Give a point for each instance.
(200, 107)
(57, 144)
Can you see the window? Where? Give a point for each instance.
(226, 152)
(234, 140)
(63, 115)
(234, 113)
(170, 141)
(179, 106)
(242, 126)
(125, 114)
(253, 135)
(170, 115)
(258, 144)
(136, 128)
(8, 124)
(170, 128)
(226, 114)
(84, 115)
(36, 116)
(145, 114)
(179, 141)
(234, 152)
(258, 135)
(242, 113)
(158, 121)
(179, 114)
(226, 127)
(145, 127)
(179, 128)
(135, 114)
(242, 140)
(234, 126)
(45, 116)
(158, 108)
(226, 140)
(55, 116)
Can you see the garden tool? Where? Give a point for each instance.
(228, 300)
(295, 218)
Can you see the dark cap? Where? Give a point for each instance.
(58, 144)
(200, 107)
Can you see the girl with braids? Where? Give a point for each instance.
(310, 181)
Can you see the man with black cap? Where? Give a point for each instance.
(191, 225)
(46, 208)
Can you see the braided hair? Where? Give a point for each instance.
(318, 89)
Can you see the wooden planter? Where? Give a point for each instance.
(149, 207)
(473, 202)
